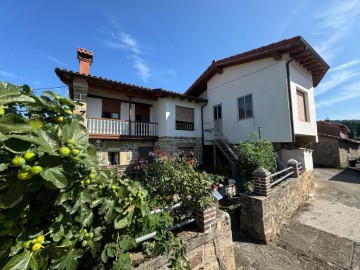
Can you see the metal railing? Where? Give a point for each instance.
(175, 226)
(118, 127)
(284, 174)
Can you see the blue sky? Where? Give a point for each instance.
(169, 43)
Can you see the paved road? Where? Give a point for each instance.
(324, 234)
(334, 206)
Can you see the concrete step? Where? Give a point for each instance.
(324, 249)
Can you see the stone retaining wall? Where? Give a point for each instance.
(208, 251)
(263, 217)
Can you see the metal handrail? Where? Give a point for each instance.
(280, 179)
(285, 170)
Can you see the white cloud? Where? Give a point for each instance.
(335, 22)
(7, 74)
(53, 59)
(142, 69)
(336, 79)
(296, 10)
(349, 92)
(345, 66)
(121, 40)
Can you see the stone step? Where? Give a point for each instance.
(322, 248)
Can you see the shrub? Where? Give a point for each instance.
(174, 178)
(255, 153)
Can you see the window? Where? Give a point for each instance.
(301, 103)
(111, 109)
(113, 158)
(217, 112)
(245, 107)
(186, 152)
(184, 118)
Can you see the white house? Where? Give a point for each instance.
(268, 89)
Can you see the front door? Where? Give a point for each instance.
(218, 121)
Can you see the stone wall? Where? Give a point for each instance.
(171, 145)
(263, 217)
(208, 251)
(348, 150)
(326, 152)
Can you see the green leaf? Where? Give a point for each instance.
(69, 261)
(55, 176)
(16, 145)
(107, 208)
(123, 262)
(124, 222)
(3, 166)
(14, 124)
(47, 142)
(74, 131)
(85, 216)
(10, 94)
(19, 262)
(127, 243)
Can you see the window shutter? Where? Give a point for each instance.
(110, 106)
(301, 106)
(184, 114)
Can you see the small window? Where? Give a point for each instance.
(111, 109)
(217, 112)
(245, 107)
(301, 102)
(184, 118)
(113, 158)
(186, 151)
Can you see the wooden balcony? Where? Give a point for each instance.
(103, 128)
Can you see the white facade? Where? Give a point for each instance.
(162, 112)
(266, 81)
(301, 80)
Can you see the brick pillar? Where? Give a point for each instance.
(261, 181)
(295, 167)
(206, 220)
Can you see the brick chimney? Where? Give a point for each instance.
(85, 59)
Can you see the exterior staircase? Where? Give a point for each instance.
(228, 151)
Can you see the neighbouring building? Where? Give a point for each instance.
(334, 148)
(270, 88)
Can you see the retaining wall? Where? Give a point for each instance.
(263, 217)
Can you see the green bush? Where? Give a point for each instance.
(174, 178)
(255, 153)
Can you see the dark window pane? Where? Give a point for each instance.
(219, 112)
(241, 102)
(215, 112)
(248, 106)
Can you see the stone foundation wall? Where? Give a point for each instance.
(326, 152)
(263, 217)
(171, 145)
(207, 251)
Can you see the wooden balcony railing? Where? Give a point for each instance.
(103, 126)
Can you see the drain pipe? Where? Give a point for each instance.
(202, 130)
(289, 91)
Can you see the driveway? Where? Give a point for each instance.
(334, 206)
(323, 234)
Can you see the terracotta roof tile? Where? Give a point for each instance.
(61, 73)
(293, 46)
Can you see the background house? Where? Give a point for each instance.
(271, 88)
(334, 148)
(125, 122)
